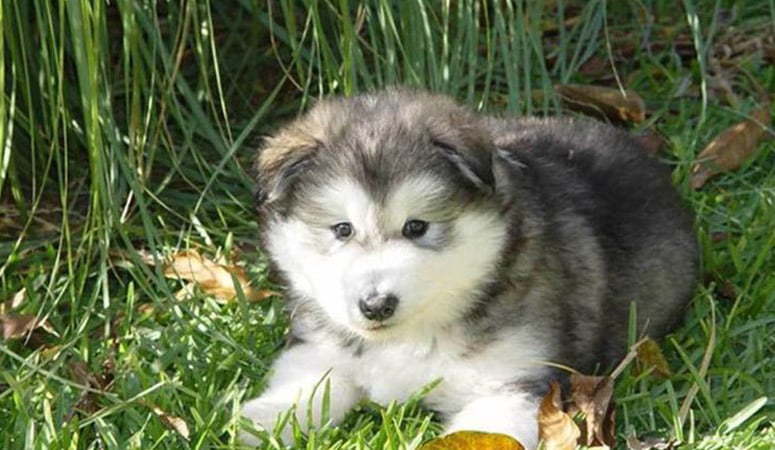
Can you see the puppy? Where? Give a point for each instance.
(421, 241)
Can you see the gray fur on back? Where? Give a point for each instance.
(608, 231)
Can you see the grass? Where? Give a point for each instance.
(127, 130)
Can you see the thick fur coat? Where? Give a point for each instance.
(421, 241)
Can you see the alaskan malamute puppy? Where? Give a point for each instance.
(421, 241)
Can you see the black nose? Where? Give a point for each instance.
(378, 306)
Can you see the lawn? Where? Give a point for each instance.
(127, 131)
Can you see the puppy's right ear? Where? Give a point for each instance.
(280, 162)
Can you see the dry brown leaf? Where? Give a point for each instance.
(79, 372)
(14, 302)
(88, 401)
(257, 295)
(556, 428)
(614, 104)
(19, 325)
(174, 422)
(731, 148)
(93, 381)
(591, 396)
(213, 278)
(650, 358)
(467, 440)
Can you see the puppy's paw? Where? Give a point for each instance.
(514, 416)
(267, 416)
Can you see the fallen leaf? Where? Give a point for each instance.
(88, 400)
(591, 396)
(93, 381)
(14, 302)
(556, 428)
(176, 423)
(632, 353)
(731, 148)
(213, 278)
(19, 325)
(467, 440)
(650, 358)
(615, 104)
(79, 372)
(257, 295)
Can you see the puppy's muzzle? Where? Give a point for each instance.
(378, 307)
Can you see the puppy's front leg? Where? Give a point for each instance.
(300, 378)
(511, 414)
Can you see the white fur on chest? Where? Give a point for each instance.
(478, 389)
(395, 371)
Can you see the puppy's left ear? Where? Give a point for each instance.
(469, 148)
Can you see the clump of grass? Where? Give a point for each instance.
(127, 131)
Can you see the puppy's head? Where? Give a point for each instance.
(383, 210)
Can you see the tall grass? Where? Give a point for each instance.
(468, 49)
(126, 134)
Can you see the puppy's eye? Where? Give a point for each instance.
(414, 229)
(342, 230)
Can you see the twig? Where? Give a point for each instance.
(695, 388)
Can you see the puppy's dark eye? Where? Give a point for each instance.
(414, 229)
(343, 230)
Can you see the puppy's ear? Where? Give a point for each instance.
(469, 148)
(280, 162)
(476, 170)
